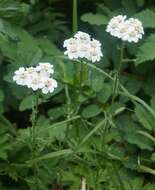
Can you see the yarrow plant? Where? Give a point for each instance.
(82, 46)
(36, 78)
(130, 30)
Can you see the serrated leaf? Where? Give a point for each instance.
(144, 117)
(129, 131)
(95, 19)
(140, 141)
(146, 50)
(147, 17)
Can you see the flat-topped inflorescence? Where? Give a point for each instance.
(82, 46)
(130, 30)
(36, 78)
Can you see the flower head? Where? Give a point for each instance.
(20, 76)
(82, 36)
(130, 30)
(82, 46)
(45, 67)
(36, 78)
(49, 85)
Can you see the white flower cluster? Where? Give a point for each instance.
(130, 30)
(82, 46)
(36, 77)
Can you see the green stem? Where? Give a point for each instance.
(34, 123)
(121, 58)
(101, 124)
(115, 88)
(75, 20)
(101, 71)
(69, 109)
(68, 99)
(124, 91)
(81, 76)
(137, 99)
(117, 74)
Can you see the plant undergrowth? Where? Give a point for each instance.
(96, 131)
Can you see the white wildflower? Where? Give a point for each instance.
(49, 85)
(20, 76)
(35, 83)
(72, 48)
(130, 30)
(36, 78)
(45, 68)
(95, 51)
(83, 49)
(82, 36)
(82, 46)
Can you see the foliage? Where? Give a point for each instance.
(80, 133)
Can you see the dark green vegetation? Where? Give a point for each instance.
(80, 134)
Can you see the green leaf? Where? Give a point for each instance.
(140, 141)
(91, 111)
(33, 53)
(97, 83)
(55, 126)
(104, 95)
(48, 47)
(56, 113)
(12, 9)
(51, 132)
(95, 19)
(146, 50)
(146, 16)
(51, 155)
(144, 117)
(129, 131)
(27, 103)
